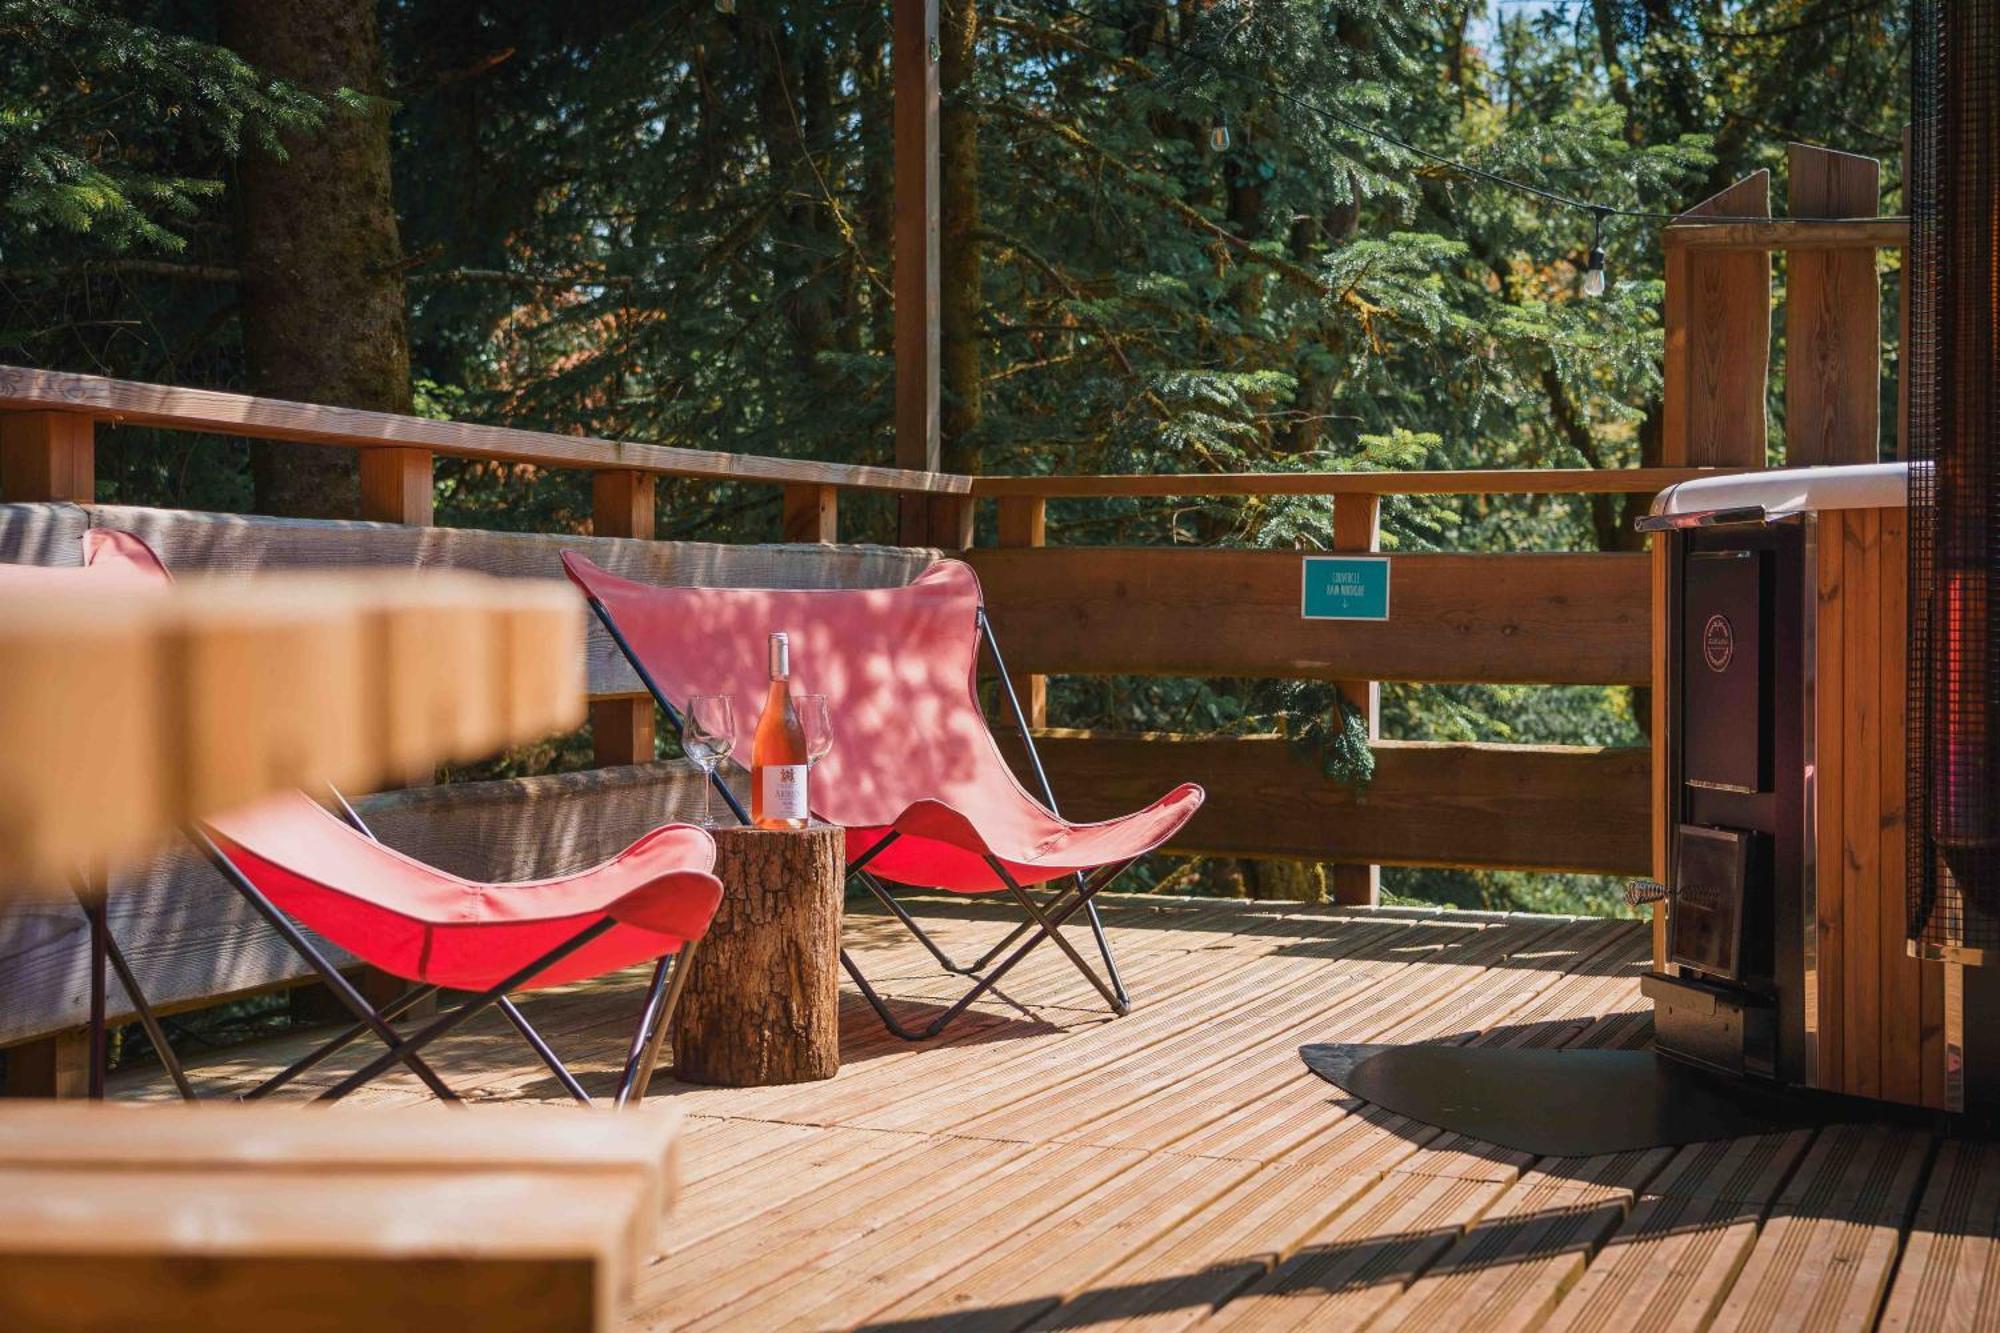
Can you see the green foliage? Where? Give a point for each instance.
(653, 220)
(84, 82)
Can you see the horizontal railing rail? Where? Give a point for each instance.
(1489, 481)
(129, 402)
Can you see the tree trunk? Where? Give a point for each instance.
(762, 999)
(958, 244)
(322, 290)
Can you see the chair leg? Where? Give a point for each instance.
(104, 950)
(100, 1044)
(1104, 947)
(1046, 919)
(328, 973)
(1034, 911)
(389, 1013)
(404, 1050)
(541, 1048)
(654, 1023)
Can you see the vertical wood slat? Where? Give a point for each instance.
(622, 504)
(811, 514)
(1024, 521)
(47, 456)
(397, 486)
(1903, 1036)
(913, 40)
(1833, 317)
(1718, 341)
(1829, 810)
(1357, 527)
(1861, 832)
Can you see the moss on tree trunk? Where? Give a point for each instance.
(317, 247)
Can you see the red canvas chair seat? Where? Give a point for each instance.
(915, 776)
(424, 925)
(912, 754)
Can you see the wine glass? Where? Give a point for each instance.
(708, 730)
(817, 723)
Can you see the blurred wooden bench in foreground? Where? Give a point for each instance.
(220, 1217)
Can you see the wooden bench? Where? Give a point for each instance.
(251, 1217)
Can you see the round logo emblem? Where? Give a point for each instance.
(1718, 643)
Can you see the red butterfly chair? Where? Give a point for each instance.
(915, 776)
(652, 901)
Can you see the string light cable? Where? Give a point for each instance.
(1600, 213)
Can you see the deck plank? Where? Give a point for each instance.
(1822, 1261)
(1045, 1166)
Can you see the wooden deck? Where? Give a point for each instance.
(1050, 1168)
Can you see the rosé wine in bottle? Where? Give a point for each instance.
(778, 761)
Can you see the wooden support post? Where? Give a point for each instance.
(812, 514)
(1357, 527)
(1833, 317)
(914, 47)
(1718, 342)
(47, 456)
(1024, 521)
(622, 504)
(53, 1066)
(950, 522)
(397, 487)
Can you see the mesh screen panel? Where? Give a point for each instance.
(1954, 295)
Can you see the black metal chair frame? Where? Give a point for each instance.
(662, 996)
(1043, 918)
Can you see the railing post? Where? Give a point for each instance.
(1718, 341)
(1357, 527)
(622, 504)
(54, 1066)
(812, 513)
(397, 486)
(47, 456)
(1024, 522)
(1833, 317)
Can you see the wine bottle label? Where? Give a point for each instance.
(782, 794)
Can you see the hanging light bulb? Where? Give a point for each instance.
(1218, 138)
(1593, 272)
(725, 6)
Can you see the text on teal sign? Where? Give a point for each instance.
(1345, 587)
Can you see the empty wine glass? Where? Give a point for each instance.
(817, 724)
(708, 730)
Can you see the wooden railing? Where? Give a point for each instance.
(1068, 610)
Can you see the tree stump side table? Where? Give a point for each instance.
(762, 1001)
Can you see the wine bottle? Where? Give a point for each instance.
(778, 752)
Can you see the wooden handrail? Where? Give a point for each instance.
(1888, 233)
(1493, 481)
(132, 403)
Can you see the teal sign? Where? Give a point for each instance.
(1345, 587)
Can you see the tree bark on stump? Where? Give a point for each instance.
(762, 1001)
